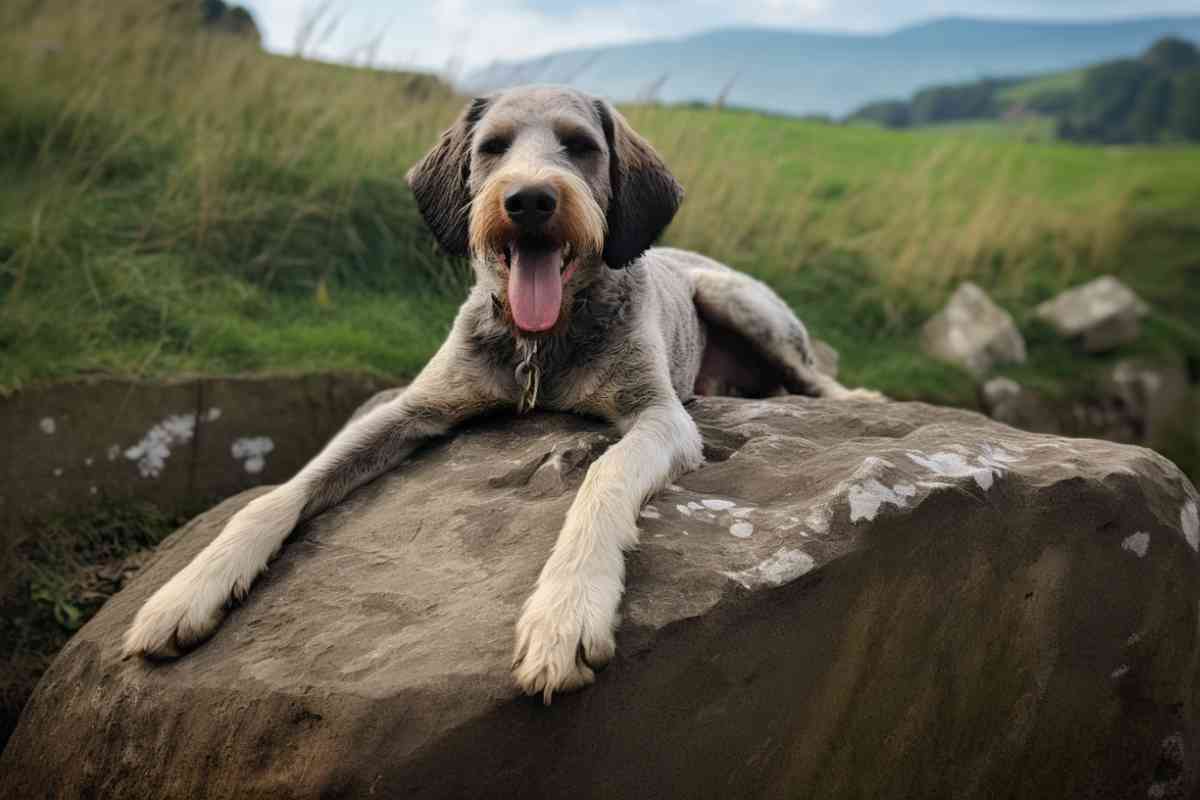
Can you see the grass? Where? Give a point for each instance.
(179, 202)
(68, 567)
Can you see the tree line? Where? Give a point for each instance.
(1150, 99)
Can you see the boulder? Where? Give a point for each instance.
(1009, 402)
(973, 332)
(1100, 315)
(848, 600)
(1134, 401)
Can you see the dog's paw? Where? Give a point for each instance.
(179, 616)
(190, 606)
(867, 395)
(562, 637)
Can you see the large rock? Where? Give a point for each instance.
(973, 332)
(849, 600)
(1101, 314)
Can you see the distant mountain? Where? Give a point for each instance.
(799, 72)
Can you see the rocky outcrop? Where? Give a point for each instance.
(848, 600)
(1100, 315)
(1135, 401)
(974, 333)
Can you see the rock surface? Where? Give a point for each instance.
(170, 443)
(973, 332)
(848, 600)
(1101, 314)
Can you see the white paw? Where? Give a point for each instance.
(868, 395)
(189, 607)
(180, 615)
(564, 633)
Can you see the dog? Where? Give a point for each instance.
(557, 201)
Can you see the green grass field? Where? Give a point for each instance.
(173, 202)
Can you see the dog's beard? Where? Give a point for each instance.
(537, 267)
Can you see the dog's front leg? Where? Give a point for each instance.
(566, 627)
(189, 607)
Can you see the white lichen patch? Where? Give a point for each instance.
(1120, 672)
(48, 426)
(782, 566)
(113, 452)
(992, 463)
(213, 414)
(718, 505)
(819, 520)
(682, 509)
(694, 506)
(1137, 544)
(87, 462)
(650, 512)
(1189, 523)
(742, 530)
(58, 472)
(867, 498)
(252, 452)
(152, 452)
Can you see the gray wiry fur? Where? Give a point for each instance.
(631, 346)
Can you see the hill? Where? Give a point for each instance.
(799, 72)
(1152, 98)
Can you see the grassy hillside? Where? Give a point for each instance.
(173, 202)
(1028, 91)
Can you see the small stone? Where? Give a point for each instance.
(1100, 315)
(974, 333)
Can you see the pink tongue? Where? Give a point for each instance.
(535, 288)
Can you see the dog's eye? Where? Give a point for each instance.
(494, 146)
(580, 145)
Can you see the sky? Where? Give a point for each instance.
(452, 36)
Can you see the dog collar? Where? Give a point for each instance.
(528, 374)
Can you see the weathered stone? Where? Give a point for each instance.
(169, 443)
(973, 332)
(1009, 402)
(1101, 314)
(849, 600)
(1153, 397)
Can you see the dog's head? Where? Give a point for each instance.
(543, 184)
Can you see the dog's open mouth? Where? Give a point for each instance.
(537, 270)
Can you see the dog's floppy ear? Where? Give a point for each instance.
(645, 195)
(439, 181)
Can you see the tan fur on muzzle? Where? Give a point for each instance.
(579, 220)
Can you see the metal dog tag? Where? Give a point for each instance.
(529, 377)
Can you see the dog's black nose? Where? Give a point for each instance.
(529, 207)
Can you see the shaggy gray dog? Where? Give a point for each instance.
(557, 201)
